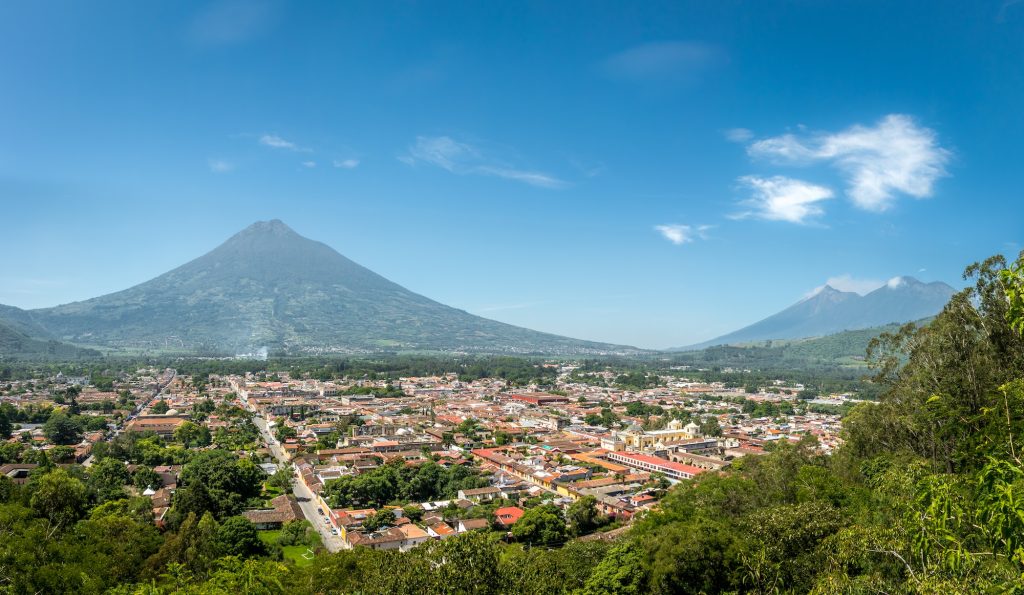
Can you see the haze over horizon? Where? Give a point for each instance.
(649, 176)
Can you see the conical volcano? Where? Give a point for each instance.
(269, 287)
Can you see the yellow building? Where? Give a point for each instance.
(636, 438)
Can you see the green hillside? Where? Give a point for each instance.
(847, 348)
(15, 344)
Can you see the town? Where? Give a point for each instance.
(389, 464)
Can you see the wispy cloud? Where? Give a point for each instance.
(346, 163)
(895, 156)
(228, 22)
(219, 166)
(462, 158)
(739, 135)
(664, 61)
(680, 234)
(783, 199)
(309, 164)
(276, 142)
(847, 282)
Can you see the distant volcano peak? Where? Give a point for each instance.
(268, 286)
(829, 310)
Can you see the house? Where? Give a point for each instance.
(17, 472)
(672, 470)
(163, 425)
(508, 515)
(472, 525)
(284, 510)
(440, 530)
(479, 494)
(402, 538)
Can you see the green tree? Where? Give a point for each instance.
(622, 572)
(583, 516)
(61, 429)
(195, 546)
(284, 432)
(379, 519)
(541, 525)
(217, 481)
(144, 477)
(139, 508)
(59, 497)
(283, 478)
(6, 426)
(238, 537)
(107, 478)
(193, 435)
(61, 454)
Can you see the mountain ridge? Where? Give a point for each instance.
(269, 287)
(829, 310)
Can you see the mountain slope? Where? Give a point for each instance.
(15, 344)
(267, 286)
(829, 311)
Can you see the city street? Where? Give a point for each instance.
(333, 543)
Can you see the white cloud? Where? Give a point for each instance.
(309, 164)
(442, 151)
(783, 199)
(346, 163)
(895, 282)
(680, 234)
(739, 135)
(664, 61)
(847, 282)
(462, 158)
(219, 166)
(534, 178)
(893, 156)
(276, 142)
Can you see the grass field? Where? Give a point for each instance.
(293, 553)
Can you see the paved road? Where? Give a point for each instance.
(333, 543)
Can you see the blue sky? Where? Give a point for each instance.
(654, 175)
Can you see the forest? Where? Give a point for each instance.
(925, 496)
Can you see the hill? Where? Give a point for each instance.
(15, 344)
(844, 349)
(829, 311)
(269, 288)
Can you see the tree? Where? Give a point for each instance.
(107, 478)
(61, 429)
(583, 516)
(59, 497)
(284, 432)
(622, 572)
(138, 508)
(380, 519)
(144, 477)
(541, 525)
(238, 537)
(192, 435)
(710, 427)
(160, 407)
(6, 426)
(7, 489)
(283, 478)
(195, 546)
(219, 482)
(61, 454)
